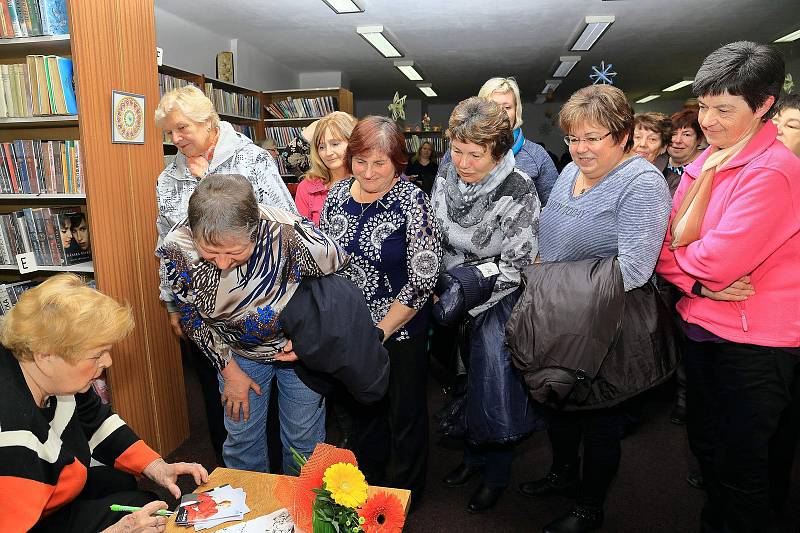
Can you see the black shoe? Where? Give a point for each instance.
(460, 475)
(578, 520)
(678, 415)
(695, 479)
(563, 480)
(484, 498)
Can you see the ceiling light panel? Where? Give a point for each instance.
(374, 36)
(408, 70)
(789, 38)
(648, 98)
(426, 89)
(679, 85)
(550, 86)
(342, 7)
(567, 64)
(595, 26)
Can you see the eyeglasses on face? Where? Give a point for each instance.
(569, 140)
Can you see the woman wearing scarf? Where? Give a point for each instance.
(732, 248)
(529, 157)
(488, 210)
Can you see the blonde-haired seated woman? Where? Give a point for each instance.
(55, 341)
(328, 163)
(206, 145)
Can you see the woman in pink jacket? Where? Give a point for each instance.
(328, 147)
(733, 248)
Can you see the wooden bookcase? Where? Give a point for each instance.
(112, 45)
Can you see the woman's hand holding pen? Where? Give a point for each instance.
(141, 521)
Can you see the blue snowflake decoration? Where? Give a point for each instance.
(603, 75)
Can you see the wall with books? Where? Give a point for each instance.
(68, 194)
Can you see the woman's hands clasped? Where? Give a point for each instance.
(738, 291)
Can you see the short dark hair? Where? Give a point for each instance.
(223, 207)
(381, 134)
(481, 121)
(751, 70)
(687, 118)
(658, 123)
(789, 101)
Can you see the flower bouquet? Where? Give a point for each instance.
(331, 496)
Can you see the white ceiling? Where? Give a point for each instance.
(458, 44)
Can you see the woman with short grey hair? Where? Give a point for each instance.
(231, 267)
(488, 210)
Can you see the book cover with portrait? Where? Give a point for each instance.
(72, 232)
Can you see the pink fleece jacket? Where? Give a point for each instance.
(751, 226)
(310, 197)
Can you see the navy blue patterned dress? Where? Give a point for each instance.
(394, 249)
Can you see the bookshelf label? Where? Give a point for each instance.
(26, 262)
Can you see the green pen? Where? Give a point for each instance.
(130, 509)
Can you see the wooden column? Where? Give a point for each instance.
(114, 47)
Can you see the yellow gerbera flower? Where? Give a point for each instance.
(346, 484)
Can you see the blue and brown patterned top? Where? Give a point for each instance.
(239, 309)
(393, 245)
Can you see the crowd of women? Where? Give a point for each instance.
(644, 255)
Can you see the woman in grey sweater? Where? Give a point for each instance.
(488, 211)
(608, 202)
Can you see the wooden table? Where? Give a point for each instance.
(258, 487)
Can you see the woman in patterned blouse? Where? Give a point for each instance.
(231, 267)
(386, 226)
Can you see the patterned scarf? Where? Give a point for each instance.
(689, 218)
(519, 140)
(468, 207)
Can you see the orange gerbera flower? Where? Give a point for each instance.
(382, 513)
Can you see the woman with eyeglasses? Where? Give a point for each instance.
(606, 203)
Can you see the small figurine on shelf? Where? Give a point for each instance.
(426, 122)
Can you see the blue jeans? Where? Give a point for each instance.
(301, 413)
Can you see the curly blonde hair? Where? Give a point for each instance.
(65, 317)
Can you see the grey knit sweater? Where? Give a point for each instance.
(624, 215)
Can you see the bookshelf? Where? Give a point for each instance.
(437, 139)
(147, 375)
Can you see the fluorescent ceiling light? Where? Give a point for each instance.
(374, 36)
(679, 85)
(550, 86)
(407, 68)
(343, 6)
(426, 89)
(567, 64)
(789, 38)
(648, 98)
(595, 26)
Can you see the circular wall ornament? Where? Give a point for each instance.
(128, 120)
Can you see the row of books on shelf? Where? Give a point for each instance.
(439, 144)
(249, 131)
(231, 103)
(167, 83)
(41, 86)
(10, 293)
(302, 107)
(282, 135)
(57, 236)
(41, 167)
(31, 18)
